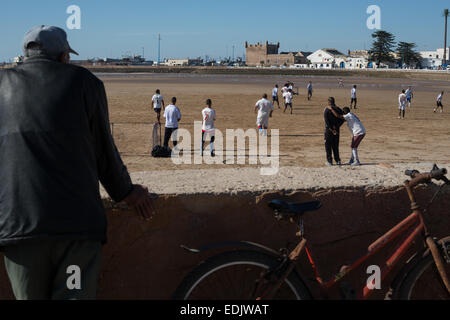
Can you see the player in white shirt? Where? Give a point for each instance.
(288, 96)
(402, 100)
(358, 132)
(208, 128)
(275, 96)
(409, 96)
(173, 117)
(354, 100)
(265, 110)
(158, 104)
(439, 103)
(285, 89)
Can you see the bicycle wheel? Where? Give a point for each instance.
(233, 276)
(424, 282)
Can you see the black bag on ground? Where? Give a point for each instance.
(161, 152)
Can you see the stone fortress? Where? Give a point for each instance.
(267, 55)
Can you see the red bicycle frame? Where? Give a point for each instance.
(390, 263)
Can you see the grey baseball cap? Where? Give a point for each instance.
(52, 40)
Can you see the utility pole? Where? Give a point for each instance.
(233, 55)
(159, 49)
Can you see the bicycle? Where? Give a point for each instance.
(260, 273)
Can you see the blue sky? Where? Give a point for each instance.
(192, 28)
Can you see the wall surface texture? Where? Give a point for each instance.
(144, 260)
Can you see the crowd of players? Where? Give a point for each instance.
(334, 118)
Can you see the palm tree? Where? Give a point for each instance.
(445, 37)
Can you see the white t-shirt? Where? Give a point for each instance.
(284, 90)
(439, 98)
(309, 87)
(353, 93)
(402, 99)
(157, 101)
(265, 107)
(288, 97)
(209, 116)
(172, 115)
(354, 124)
(275, 92)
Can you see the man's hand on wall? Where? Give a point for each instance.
(140, 199)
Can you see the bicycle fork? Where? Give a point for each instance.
(440, 265)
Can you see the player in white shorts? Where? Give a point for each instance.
(275, 96)
(265, 110)
(208, 128)
(158, 105)
(402, 100)
(354, 98)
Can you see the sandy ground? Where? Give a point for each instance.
(422, 137)
(239, 180)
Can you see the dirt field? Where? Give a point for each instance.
(422, 137)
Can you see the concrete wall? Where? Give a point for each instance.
(144, 260)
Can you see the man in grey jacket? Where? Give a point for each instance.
(55, 147)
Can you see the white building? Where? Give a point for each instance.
(358, 59)
(356, 63)
(332, 58)
(433, 59)
(326, 58)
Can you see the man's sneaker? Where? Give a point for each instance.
(339, 163)
(213, 154)
(351, 162)
(356, 164)
(328, 164)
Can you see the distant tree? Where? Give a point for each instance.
(382, 47)
(407, 55)
(446, 12)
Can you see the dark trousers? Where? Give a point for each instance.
(167, 134)
(332, 146)
(43, 270)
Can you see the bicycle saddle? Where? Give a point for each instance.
(294, 208)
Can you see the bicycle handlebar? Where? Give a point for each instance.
(419, 178)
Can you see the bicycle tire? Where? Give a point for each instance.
(203, 273)
(423, 281)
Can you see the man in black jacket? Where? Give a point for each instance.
(332, 133)
(55, 147)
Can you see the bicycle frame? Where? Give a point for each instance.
(414, 219)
